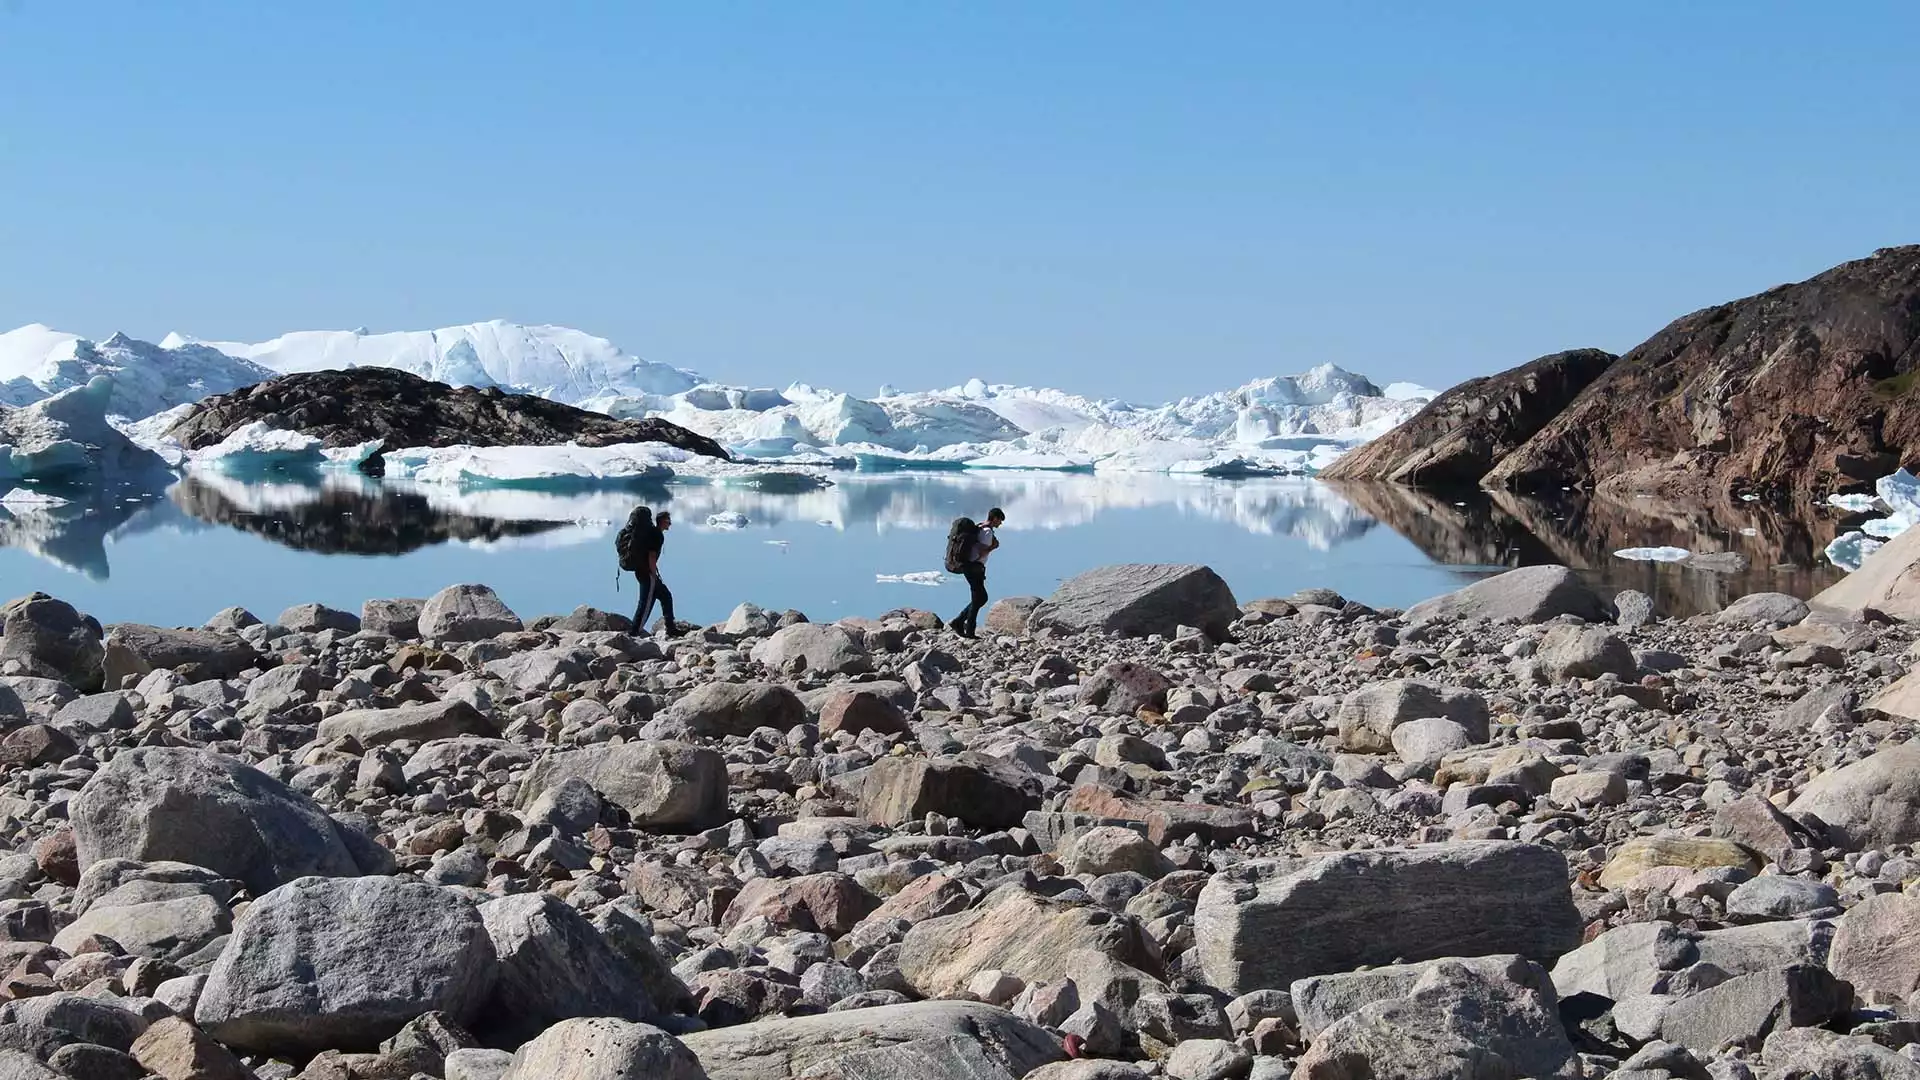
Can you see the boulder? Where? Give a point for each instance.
(193, 806)
(853, 710)
(173, 1049)
(1167, 822)
(1024, 934)
(664, 786)
(1585, 652)
(1457, 1022)
(1368, 716)
(332, 964)
(813, 647)
(604, 1048)
(1767, 608)
(1124, 688)
(1644, 853)
(167, 911)
(721, 708)
(1321, 1000)
(53, 637)
(829, 903)
(1010, 615)
(1531, 594)
(1426, 742)
(1138, 600)
(1877, 945)
(796, 1047)
(553, 966)
(1818, 1054)
(1746, 1009)
(983, 792)
(1887, 582)
(1627, 961)
(395, 618)
(1114, 849)
(466, 613)
(136, 649)
(408, 723)
(313, 618)
(1261, 925)
(1872, 803)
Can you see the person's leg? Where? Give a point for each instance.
(977, 582)
(666, 605)
(645, 607)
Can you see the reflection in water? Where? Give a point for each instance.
(1782, 553)
(1474, 532)
(351, 516)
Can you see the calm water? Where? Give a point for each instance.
(176, 558)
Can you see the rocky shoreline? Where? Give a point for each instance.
(1137, 829)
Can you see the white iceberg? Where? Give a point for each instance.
(1897, 496)
(917, 577)
(37, 362)
(551, 361)
(67, 437)
(260, 447)
(21, 498)
(1654, 554)
(727, 521)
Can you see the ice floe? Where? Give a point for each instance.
(1654, 554)
(1896, 497)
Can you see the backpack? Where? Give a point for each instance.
(631, 543)
(961, 536)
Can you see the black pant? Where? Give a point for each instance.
(652, 589)
(968, 621)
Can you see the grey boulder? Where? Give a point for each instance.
(720, 708)
(1874, 802)
(662, 785)
(466, 613)
(1261, 925)
(604, 1048)
(1368, 716)
(1140, 599)
(554, 966)
(409, 723)
(812, 647)
(155, 804)
(796, 1047)
(1531, 594)
(325, 963)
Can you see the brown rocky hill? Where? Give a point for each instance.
(357, 405)
(1799, 391)
(1464, 432)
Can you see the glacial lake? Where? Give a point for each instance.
(176, 557)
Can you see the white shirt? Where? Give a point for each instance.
(983, 544)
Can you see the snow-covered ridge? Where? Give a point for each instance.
(1277, 425)
(551, 361)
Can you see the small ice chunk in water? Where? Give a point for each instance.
(1653, 554)
(1849, 550)
(917, 577)
(28, 497)
(727, 519)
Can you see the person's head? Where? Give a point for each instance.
(996, 516)
(640, 514)
(664, 521)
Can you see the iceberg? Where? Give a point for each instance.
(259, 447)
(728, 521)
(1897, 496)
(552, 361)
(37, 362)
(27, 498)
(1654, 554)
(67, 438)
(917, 577)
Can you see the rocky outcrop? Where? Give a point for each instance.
(1462, 434)
(358, 405)
(1796, 392)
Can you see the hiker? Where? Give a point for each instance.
(638, 546)
(968, 546)
(651, 587)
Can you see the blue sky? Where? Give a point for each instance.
(1140, 199)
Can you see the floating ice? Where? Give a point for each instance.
(727, 520)
(25, 497)
(260, 447)
(1653, 554)
(36, 363)
(1898, 496)
(917, 577)
(1849, 550)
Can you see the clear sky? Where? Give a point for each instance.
(1133, 198)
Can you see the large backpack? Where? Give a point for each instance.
(631, 543)
(961, 536)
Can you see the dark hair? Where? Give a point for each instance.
(663, 515)
(996, 512)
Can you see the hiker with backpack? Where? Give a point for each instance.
(639, 545)
(968, 545)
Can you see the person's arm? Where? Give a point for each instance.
(994, 545)
(653, 564)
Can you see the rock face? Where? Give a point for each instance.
(1139, 600)
(193, 806)
(1801, 390)
(1463, 433)
(1262, 925)
(330, 964)
(789, 1049)
(358, 405)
